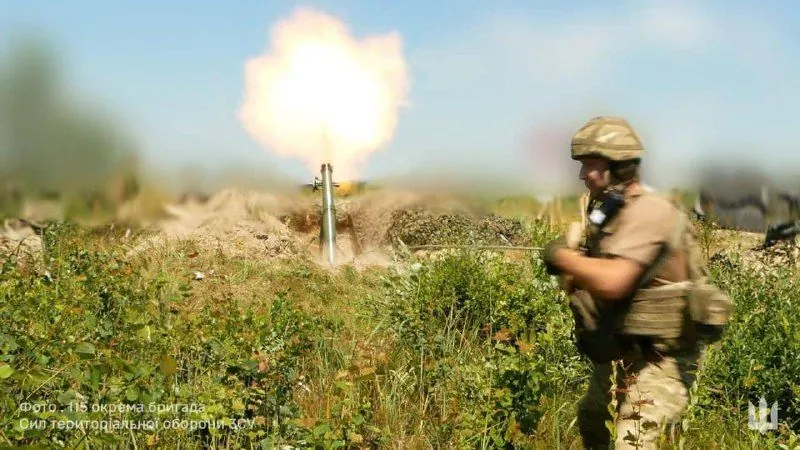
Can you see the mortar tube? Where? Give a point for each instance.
(328, 213)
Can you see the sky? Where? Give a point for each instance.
(496, 87)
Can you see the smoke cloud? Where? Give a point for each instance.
(552, 171)
(322, 95)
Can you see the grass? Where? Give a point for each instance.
(464, 349)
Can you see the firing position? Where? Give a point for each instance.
(629, 292)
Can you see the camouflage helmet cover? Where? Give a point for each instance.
(612, 138)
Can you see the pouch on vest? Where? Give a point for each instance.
(709, 308)
(659, 315)
(679, 313)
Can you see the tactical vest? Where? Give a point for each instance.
(668, 318)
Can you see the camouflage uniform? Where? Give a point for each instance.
(657, 391)
(653, 377)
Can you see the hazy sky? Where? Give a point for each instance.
(699, 80)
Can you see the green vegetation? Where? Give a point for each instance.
(460, 350)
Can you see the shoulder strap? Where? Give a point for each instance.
(666, 249)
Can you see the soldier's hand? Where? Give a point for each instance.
(549, 253)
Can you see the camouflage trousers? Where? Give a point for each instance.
(650, 399)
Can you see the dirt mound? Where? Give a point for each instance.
(362, 222)
(368, 224)
(782, 254)
(372, 214)
(380, 218)
(256, 225)
(442, 220)
(422, 227)
(41, 210)
(760, 261)
(376, 220)
(20, 239)
(238, 224)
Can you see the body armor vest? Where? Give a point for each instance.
(668, 318)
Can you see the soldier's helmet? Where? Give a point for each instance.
(612, 138)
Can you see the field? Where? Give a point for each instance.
(217, 326)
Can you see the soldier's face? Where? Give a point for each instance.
(594, 174)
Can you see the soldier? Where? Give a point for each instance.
(633, 245)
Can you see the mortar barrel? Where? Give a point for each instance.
(328, 213)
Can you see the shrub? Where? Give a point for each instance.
(93, 341)
(495, 336)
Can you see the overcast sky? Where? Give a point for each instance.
(496, 87)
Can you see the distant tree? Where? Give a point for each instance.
(49, 141)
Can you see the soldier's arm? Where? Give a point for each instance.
(609, 279)
(628, 251)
